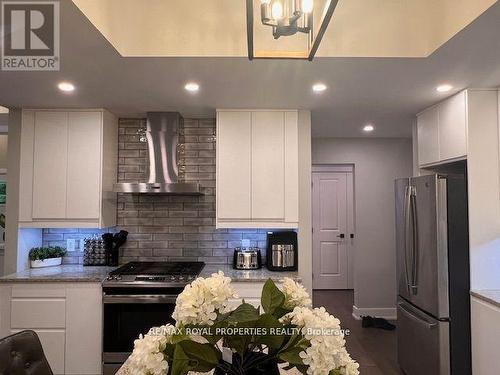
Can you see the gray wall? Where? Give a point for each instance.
(377, 162)
(168, 227)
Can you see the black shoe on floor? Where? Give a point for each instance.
(369, 321)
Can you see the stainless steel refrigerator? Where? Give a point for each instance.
(433, 275)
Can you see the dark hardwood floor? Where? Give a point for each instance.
(374, 349)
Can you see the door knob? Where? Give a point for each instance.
(341, 235)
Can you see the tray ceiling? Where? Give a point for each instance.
(359, 28)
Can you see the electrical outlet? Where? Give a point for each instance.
(245, 243)
(70, 245)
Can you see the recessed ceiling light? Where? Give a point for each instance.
(444, 88)
(192, 87)
(368, 128)
(66, 86)
(319, 87)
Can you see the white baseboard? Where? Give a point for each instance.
(386, 313)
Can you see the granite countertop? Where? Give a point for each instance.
(64, 273)
(79, 273)
(490, 296)
(247, 275)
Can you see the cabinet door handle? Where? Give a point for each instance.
(341, 235)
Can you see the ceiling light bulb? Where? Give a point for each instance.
(192, 87)
(307, 6)
(277, 10)
(66, 86)
(444, 88)
(319, 87)
(368, 128)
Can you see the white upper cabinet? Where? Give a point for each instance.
(50, 164)
(453, 127)
(442, 131)
(268, 172)
(234, 155)
(257, 169)
(428, 136)
(69, 162)
(84, 167)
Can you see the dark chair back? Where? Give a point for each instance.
(22, 354)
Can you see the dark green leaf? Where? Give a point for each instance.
(272, 297)
(181, 363)
(271, 339)
(239, 342)
(244, 313)
(281, 312)
(292, 356)
(204, 357)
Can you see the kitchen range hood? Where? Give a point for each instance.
(162, 137)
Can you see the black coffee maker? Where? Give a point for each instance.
(282, 251)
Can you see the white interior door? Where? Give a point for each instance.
(332, 213)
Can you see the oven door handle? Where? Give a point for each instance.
(138, 298)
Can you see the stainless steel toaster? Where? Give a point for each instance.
(247, 259)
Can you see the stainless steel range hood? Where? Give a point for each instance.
(162, 137)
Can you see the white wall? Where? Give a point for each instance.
(377, 163)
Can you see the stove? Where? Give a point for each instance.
(136, 297)
(154, 274)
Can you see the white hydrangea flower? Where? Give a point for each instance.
(147, 357)
(295, 294)
(327, 351)
(200, 300)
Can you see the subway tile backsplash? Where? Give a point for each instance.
(168, 227)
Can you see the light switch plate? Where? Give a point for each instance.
(70, 245)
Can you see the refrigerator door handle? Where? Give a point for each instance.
(415, 244)
(407, 242)
(416, 318)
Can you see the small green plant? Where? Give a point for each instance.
(46, 252)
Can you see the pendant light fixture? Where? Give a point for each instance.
(287, 18)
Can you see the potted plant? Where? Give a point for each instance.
(46, 256)
(212, 335)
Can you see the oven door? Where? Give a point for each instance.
(129, 313)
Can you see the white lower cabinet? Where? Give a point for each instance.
(67, 318)
(485, 325)
(250, 291)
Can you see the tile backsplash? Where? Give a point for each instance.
(168, 227)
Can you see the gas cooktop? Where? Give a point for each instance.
(164, 274)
